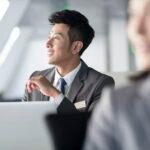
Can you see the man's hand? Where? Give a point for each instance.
(43, 85)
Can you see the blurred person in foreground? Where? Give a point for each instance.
(121, 120)
(71, 85)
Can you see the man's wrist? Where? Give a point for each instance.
(59, 99)
(55, 93)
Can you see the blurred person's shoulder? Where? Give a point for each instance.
(138, 90)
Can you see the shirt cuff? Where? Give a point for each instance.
(59, 99)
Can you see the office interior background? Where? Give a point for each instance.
(24, 29)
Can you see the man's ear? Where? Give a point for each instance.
(76, 47)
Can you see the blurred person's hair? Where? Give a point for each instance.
(80, 29)
(139, 76)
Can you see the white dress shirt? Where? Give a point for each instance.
(69, 79)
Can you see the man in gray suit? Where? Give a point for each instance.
(121, 119)
(71, 84)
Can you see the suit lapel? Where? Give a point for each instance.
(74, 90)
(50, 77)
(78, 82)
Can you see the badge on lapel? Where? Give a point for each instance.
(80, 104)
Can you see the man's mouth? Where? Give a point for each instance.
(50, 52)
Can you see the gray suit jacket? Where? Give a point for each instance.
(87, 86)
(121, 121)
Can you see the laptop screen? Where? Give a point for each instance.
(22, 126)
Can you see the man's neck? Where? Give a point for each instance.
(65, 69)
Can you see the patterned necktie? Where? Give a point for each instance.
(61, 85)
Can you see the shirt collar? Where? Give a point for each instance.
(68, 77)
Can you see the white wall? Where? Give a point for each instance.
(35, 58)
(95, 55)
(119, 60)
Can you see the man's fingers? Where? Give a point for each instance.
(40, 83)
(34, 86)
(31, 85)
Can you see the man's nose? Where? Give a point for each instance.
(49, 42)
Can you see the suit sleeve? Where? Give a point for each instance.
(27, 96)
(106, 82)
(66, 106)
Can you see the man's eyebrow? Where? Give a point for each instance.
(57, 33)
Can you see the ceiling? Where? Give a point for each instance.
(97, 11)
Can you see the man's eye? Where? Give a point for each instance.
(56, 37)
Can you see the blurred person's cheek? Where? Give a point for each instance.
(132, 30)
(148, 27)
(143, 53)
(142, 61)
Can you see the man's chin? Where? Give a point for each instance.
(50, 62)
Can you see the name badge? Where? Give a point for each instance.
(79, 105)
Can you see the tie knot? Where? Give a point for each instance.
(62, 83)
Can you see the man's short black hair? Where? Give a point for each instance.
(80, 30)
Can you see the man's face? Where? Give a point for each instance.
(59, 45)
(139, 31)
